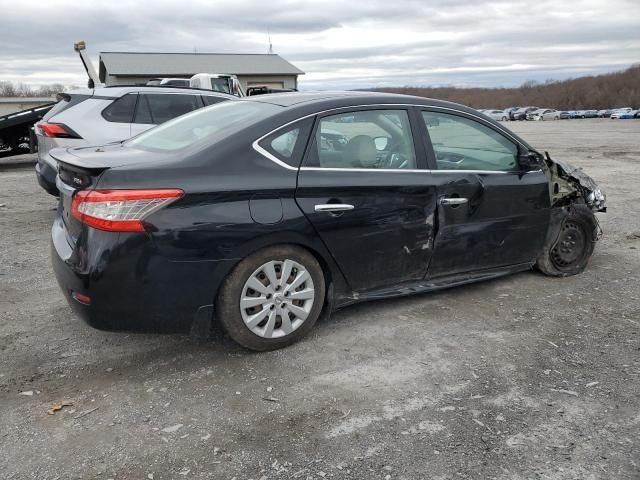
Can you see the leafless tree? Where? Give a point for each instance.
(617, 89)
(10, 89)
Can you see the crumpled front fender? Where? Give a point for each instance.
(569, 185)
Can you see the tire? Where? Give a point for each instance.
(504, 119)
(271, 331)
(569, 243)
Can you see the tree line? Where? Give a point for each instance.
(10, 89)
(611, 90)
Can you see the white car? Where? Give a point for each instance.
(110, 114)
(619, 113)
(499, 115)
(546, 114)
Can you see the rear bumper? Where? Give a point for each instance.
(46, 175)
(132, 288)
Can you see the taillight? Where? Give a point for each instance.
(120, 210)
(56, 130)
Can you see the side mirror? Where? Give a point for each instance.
(529, 160)
(381, 143)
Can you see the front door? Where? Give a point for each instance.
(491, 212)
(362, 186)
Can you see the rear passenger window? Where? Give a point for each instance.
(121, 110)
(211, 100)
(167, 106)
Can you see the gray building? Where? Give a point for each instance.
(126, 68)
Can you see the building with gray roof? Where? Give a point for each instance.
(127, 68)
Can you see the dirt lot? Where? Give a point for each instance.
(520, 378)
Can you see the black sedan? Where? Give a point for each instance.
(266, 213)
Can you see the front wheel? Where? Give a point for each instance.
(504, 119)
(272, 298)
(569, 243)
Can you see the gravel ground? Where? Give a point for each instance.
(519, 378)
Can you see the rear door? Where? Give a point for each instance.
(491, 212)
(362, 186)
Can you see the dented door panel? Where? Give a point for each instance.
(387, 237)
(503, 222)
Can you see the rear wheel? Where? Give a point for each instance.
(504, 119)
(569, 244)
(272, 298)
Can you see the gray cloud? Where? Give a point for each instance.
(338, 44)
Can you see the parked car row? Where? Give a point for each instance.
(535, 113)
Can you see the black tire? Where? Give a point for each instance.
(569, 243)
(228, 300)
(504, 119)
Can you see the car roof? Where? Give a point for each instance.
(118, 91)
(328, 100)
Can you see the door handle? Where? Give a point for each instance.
(453, 201)
(333, 207)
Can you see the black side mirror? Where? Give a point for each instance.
(529, 160)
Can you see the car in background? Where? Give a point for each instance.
(545, 114)
(242, 214)
(605, 113)
(498, 115)
(563, 115)
(169, 82)
(521, 113)
(533, 114)
(510, 111)
(625, 114)
(587, 114)
(109, 114)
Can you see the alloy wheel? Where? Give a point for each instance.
(277, 298)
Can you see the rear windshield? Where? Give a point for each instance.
(208, 124)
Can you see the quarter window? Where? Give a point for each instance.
(372, 139)
(460, 143)
(288, 143)
(285, 143)
(121, 110)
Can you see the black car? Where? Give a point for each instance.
(266, 213)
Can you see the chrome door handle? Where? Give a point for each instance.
(453, 201)
(333, 207)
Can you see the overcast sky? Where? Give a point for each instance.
(339, 44)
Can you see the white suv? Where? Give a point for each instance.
(110, 114)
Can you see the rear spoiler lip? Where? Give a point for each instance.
(64, 155)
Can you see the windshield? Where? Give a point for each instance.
(210, 124)
(220, 85)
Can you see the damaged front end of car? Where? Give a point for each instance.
(569, 185)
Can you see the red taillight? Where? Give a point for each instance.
(56, 130)
(120, 210)
(81, 298)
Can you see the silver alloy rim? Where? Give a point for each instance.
(277, 298)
